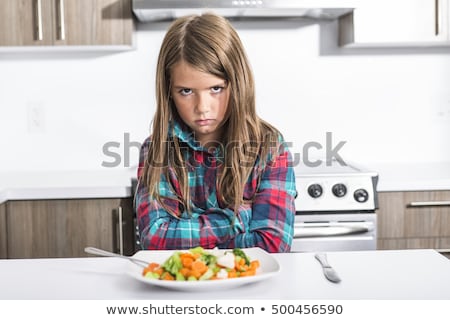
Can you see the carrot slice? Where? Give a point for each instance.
(186, 261)
(167, 276)
(186, 272)
(247, 273)
(150, 268)
(199, 266)
(254, 265)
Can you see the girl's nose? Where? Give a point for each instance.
(202, 103)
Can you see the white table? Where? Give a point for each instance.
(405, 274)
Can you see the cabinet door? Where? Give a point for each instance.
(390, 215)
(93, 22)
(3, 252)
(26, 22)
(399, 22)
(63, 228)
(408, 243)
(65, 22)
(409, 220)
(426, 219)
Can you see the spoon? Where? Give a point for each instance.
(104, 253)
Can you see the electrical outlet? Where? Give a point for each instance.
(443, 114)
(36, 117)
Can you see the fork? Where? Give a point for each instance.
(104, 253)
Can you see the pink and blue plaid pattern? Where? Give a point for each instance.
(266, 222)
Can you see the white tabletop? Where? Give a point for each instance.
(406, 274)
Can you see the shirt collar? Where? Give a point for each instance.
(182, 132)
(185, 134)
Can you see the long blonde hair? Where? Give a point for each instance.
(209, 43)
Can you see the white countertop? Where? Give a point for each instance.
(399, 274)
(117, 183)
(66, 184)
(412, 176)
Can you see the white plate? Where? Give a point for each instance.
(268, 268)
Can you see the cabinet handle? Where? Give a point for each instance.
(436, 17)
(429, 203)
(38, 15)
(120, 230)
(61, 21)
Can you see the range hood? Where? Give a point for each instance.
(163, 10)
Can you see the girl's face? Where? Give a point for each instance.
(201, 100)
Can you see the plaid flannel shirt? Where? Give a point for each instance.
(266, 222)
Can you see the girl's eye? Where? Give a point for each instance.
(185, 92)
(216, 89)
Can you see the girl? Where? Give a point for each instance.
(212, 173)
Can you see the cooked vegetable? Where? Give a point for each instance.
(173, 264)
(227, 260)
(238, 252)
(198, 264)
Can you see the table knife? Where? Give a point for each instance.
(328, 271)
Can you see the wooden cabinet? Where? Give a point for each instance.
(414, 219)
(381, 23)
(65, 22)
(63, 228)
(20, 22)
(3, 253)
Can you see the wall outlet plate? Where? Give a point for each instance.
(36, 117)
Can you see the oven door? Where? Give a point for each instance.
(335, 232)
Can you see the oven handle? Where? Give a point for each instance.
(328, 231)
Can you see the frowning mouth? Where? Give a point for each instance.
(204, 122)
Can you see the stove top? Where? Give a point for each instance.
(335, 187)
(331, 167)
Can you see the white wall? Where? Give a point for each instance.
(389, 106)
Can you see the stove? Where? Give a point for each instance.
(335, 208)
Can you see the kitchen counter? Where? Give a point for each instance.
(66, 184)
(399, 274)
(117, 183)
(412, 177)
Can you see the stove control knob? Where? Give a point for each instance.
(315, 190)
(361, 195)
(339, 190)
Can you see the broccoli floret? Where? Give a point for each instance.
(239, 253)
(179, 277)
(197, 250)
(173, 264)
(208, 259)
(152, 275)
(207, 275)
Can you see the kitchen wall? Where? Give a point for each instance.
(82, 111)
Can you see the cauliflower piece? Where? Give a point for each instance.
(227, 260)
(222, 274)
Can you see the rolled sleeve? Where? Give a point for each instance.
(273, 209)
